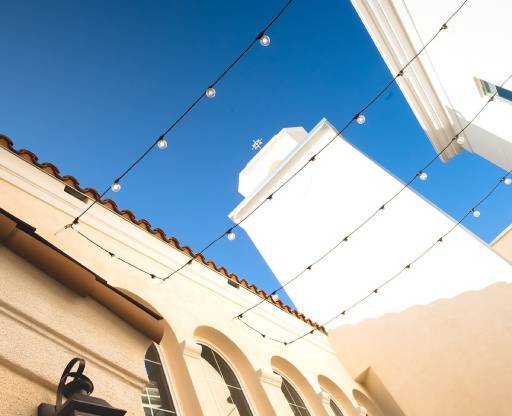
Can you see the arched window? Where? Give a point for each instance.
(223, 384)
(296, 404)
(335, 408)
(156, 397)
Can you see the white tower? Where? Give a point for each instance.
(326, 201)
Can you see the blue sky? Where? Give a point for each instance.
(88, 84)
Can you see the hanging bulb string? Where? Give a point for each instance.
(263, 335)
(380, 208)
(188, 109)
(444, 26)
(113, 255)
(152, 275)
(372, 101)
(407, 267)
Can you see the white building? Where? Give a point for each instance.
(437, 339)
(456, 74)
(326, 201)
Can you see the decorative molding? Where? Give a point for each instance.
(190, 349)
(387, 27)
(325, 398)
(269, 377)
(60, 341)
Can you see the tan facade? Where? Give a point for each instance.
(46, 324)
(43, 325)
(452, 357)
(503, 243)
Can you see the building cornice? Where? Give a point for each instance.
(392, 31)
(129, 216)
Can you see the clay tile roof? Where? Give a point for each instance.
(30, 157)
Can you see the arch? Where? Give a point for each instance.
(299, 381)
(367, 403)
(338, 395)
(225, 388)
(171, 354)
(157, 394)
(240, 364)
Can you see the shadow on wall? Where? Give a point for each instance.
(338, 396)
(367, 403)
(293, 375)
(173, 356)
(450, 350)
(378, 392)
(248, 377)
(484, 143)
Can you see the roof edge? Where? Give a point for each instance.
(93, 194)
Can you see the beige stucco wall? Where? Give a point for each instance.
(43, 325)
(503, 244)
(452, 357)
(197, 305)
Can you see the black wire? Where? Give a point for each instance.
(262, 334)
(113, 255)
(408, 266)
(373, 215)
(189, 108)
(346, 126)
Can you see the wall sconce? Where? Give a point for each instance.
(77, 392)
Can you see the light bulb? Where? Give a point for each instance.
(264, 40)
(210, 92)
(231, 235)
(161, 143)
(116, 186)
(507, 181)
(461, 140)
(423, 176)
(275, 297)
(476, 213)
(75, 225)
(360, 119)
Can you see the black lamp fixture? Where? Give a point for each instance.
(78, 394)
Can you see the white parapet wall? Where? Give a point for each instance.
(443, 85)
(327, 200)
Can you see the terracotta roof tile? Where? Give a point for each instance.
(146, 225)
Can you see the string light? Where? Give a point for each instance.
(116, 186)
(360, 116)
(421, 174)
(75, 225)
(114, 256)
(407, 267)
(461, 140)
(264, 40)
(161, 143)
(360, 119)
(274, 297)
(475, 213)
(230, 235)
(507, 180)
(210, 92)
(338, 133)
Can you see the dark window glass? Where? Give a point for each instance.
(337, 411)
(294, 400)
(501, 92)
(504, 93)
(156, 397)
(224, 385)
